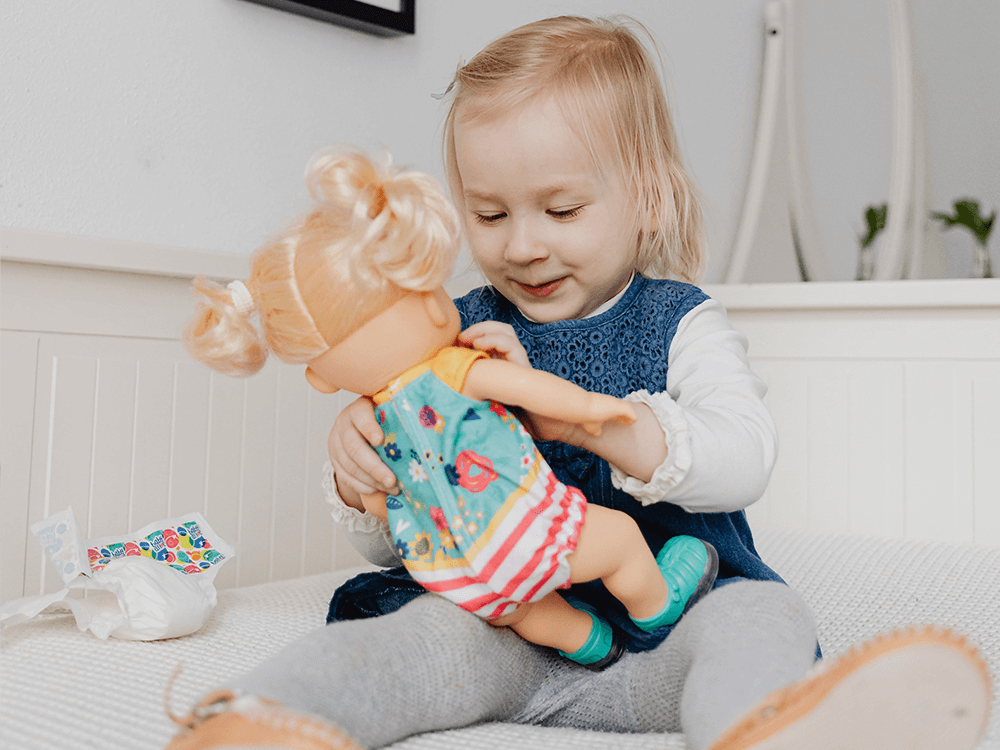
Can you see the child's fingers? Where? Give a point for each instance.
(354, 459)
(491, 336)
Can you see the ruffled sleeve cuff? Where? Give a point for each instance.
(352, 519)
(678, 461)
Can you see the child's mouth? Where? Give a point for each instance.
(542, 290)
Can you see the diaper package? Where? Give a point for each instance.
(155, 583)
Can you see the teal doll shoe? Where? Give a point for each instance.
(689, 566)
(602, 648)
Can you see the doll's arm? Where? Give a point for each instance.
(546, 394)
(375, 504)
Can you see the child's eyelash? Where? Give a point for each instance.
(489, 218)
(569, 213)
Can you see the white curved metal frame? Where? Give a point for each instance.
(903, 222)
(901, 250)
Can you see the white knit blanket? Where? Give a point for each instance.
(63, 688)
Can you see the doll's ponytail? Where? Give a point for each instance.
(398, 227)
(221, 333)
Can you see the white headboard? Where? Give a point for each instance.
(887, 398)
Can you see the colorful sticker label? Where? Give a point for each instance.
(182, 546)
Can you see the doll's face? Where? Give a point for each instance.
(406, 334)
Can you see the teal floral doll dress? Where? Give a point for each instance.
(481, 519)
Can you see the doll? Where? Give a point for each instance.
(354, 290)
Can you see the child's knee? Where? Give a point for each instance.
(758, 601)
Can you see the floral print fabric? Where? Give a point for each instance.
(481, 518)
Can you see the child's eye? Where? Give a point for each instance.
(568, 213)
(489, 218)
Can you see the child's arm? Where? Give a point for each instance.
(545, 394)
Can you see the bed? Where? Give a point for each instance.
(886, 395)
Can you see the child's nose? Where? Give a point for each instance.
(524, 245)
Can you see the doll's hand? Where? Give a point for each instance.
(357, 468)
(604, 409)
(497, 339)
(599, 411)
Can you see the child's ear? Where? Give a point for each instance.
(434, 310)
(318, 383)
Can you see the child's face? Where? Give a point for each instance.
(550, 232)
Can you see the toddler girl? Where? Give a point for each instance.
(562, 161)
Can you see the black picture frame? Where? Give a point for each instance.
(354, 14)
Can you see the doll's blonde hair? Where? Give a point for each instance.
(374, 235)
(605, 81)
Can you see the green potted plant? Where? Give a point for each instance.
(967, 215)
(875, 220)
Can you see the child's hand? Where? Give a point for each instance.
(604, 409)
(357, 468)
(497, 339)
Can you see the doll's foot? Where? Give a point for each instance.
(602, 648)
(224, 720)
(689, 566)
(913, 688)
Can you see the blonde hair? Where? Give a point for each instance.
(374, 235)
(604, 79)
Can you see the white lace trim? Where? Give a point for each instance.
(678, 462)
(350, 518)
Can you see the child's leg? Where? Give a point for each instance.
(733, 648)
(612, 548)
(736, 673)
(728, 652)
(426, 667)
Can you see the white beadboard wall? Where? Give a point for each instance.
(104, 411)
(887, 400)
(886, 396)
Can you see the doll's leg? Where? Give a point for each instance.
(656, 591)
(551, 621)
(428, 666)
(575, 630)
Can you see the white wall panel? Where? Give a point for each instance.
(887, 413)
(130, 431)
(115, 449)
(986, 454)
(18, 365)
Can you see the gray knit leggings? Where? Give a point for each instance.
(432, 666)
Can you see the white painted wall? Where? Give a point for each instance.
(188, 123)
(847, 102)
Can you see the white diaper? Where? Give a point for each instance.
(156, 583)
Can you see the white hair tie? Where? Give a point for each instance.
(242, 298)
